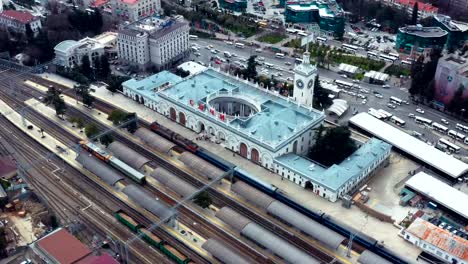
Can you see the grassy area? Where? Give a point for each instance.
(362, 62)
(397, 71)
(272, 38)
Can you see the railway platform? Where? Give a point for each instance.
(354, 217)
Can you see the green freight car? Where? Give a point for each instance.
(152, 239)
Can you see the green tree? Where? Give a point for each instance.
(73, 120)
(251, 71)
(321, 98)
(104, 69)
(80, 123)
(106, 139)
(97, 21)
(3, 243)
(115, 83)
(203, 199)
(53, 98)
(84, 92)
(29, 33)
(414, 16)
(117, 116)
(417, 76)
(86, 66)
(131, 121)
(332, 147)
(91, 130)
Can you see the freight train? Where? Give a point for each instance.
(174, 137)
(113, 161)
(152, 239)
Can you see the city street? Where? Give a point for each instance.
(354, 102)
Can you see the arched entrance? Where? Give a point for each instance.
(211, 131)
(295, 147)
(172, 114)
(309, 185)
(221, 136)
(201, 126)
(243, 150)
(182, 120)
(254, 155)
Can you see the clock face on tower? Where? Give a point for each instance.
(300, 83)
(310, 84)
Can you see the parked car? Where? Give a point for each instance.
(258, 50)
(411, 115)
(419, 110)
(392, 106)
(386, 86)
(378, 95)
(344, 75)
(444, 121)
(287, 63)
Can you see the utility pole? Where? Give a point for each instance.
(353, 235)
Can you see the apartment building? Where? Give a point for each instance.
(157, 42)
(133, 10)
(18, 20)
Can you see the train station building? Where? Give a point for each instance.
(254, 122)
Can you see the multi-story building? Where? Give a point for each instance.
(70, 53)
(18, 20)
(416, 38)
(154, 42)
(133, 10)
(438, 242)
(457, 31)
(336, 181)
(327, 14)
(245, 118)
(424, 9)
(234, 5)
(457, 7)
(451, 73)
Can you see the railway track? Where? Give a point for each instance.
(220, 199)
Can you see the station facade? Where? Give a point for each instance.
(256, 123)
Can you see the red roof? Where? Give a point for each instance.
(102, 259)
(99, 3)
(421, 6)
(63, 247)
(20, 16)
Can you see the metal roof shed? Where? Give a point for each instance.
(347, 68)
(168, 179)
(368, 257)
(440, 192)
(101, 170)
(223, 252)
(148, 202)
(155, 141)
(252, 195)
(375, 75)
(128, 155)
(201, 166)
(433, 157)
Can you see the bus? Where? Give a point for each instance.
(466, 141)
(422, 120)
(193, 37)
(395, 55)
(398, 121)
(406, 62)
(279, 55)
(321, 39)
(395, 100)
(371, 55)
(375, 113)
(387, 58)
(350, 48)
(302, 33)
(385, 114)
(269, 65)
(291, 30)
(455, 135)
(239, 45)
(344, 84)
(262, 24)
(439, 127)
(462, 127)
(446, 145)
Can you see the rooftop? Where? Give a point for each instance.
(440, 192)
(425, 7)
(274, 122)
(452, 25)
(325, 8)
(377, 75)
(20, 16)
(348, 68)
(440, 238)
(152, 25)
(411, 145)
(62, 247)
(191, 67)
(336, 175)
(97, 42)
(425, 32)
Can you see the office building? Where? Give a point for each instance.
(133, 10)
(412, 39)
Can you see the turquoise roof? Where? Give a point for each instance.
(65, 45)
(337, 175)
(148, 87)
(277, 121)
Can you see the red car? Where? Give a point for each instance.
(217, 61)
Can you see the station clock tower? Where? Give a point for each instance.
(304, 78)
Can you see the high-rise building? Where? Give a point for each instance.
(327, 14)
(457, 31)
(451, 73)
(132, 10)
(154, 42)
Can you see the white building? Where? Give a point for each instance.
(18, 20)
(304, 78)
(440, 243)
(258, 124)
(336, 181)
(70, 53)
(133, 10)
(154, 42)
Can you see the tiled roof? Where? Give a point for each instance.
(20, 16)
(440, 238)
(421, 5)
(63, 247)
